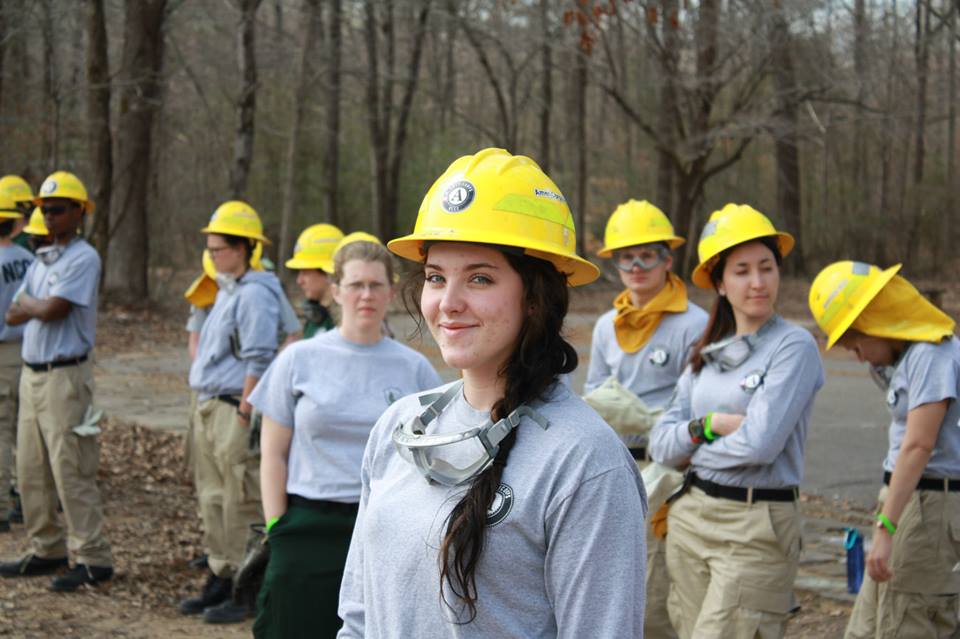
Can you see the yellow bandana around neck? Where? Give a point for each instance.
(635, 326)
(900, 311)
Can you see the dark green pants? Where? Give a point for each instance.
(301, 588)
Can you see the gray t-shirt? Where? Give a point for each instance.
(565, 550)
(248, 316)
(927, 373)
(331, 392)
(14, 262)
(196, 318)
(75, 278)
(651, 372)
(774, 388)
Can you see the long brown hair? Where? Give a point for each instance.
(722, 321)
(540, 355)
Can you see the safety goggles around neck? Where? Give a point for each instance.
(729, 353)
(452, 459)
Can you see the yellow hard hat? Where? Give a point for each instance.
(497, 198)
(357, 236)
(203, 292)
(36, 225)
(315, 248)
(841, 291)
(236, 218)
(8, 207)
(256, 262)
(635, 223)
(732, 225)
(66, 185)
(17, 188)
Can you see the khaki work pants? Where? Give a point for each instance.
(922, 597)
(228, 484)
(53, 461)
(732, 565)
(10, 365)
(656, 623)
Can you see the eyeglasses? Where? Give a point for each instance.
(213, 250)
(643, 258)
(56, 209)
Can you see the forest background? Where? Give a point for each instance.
(835, 118)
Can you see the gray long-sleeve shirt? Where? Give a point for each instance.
(251, 313)
(651, 372)
(774, 388)
(565, 549)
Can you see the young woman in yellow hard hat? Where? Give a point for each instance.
(316, 421)
(912, 587)
(238, 341)
(518, 507)
(313, 261)
(644, 343)
(739, 420)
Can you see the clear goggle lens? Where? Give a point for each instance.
(643, 258)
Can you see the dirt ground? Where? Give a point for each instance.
(152, 524)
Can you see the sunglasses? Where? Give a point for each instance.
(57, 209)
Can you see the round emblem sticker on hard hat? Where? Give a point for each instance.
(48, 187)
(501, 506)
(659, 356)
(752, 381)
(458, 196)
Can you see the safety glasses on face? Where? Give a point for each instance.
(56, 209)
(645, 258)
(452, 459)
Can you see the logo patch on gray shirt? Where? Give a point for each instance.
(659, 356)
(752, 381)
(501, 506)
(891, 398)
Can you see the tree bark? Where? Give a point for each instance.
(126, 273)
(947, 220)
(331, 158)
(51, 97)
(787, 125)
(247, 104)
(99, 133)
(312, 30)
(546, 72)
(580, 79)
(667, 114)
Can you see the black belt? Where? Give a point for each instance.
(639, 453)
(60, 363)
(228, 399)
(748, 495)
(931, 483)
(337, 507)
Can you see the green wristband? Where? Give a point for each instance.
(707, 433)
(271, 522)
(889, 525)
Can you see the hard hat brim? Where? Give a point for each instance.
(88, 205)
(10, 215)
(301, 264)
(578, 270)
(202, 292)
(871, 290)
(254, 236)
(673, 241)
(701, 274)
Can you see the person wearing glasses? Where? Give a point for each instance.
(738, 423)
(499, 505)
(644, 343)
(316, 421)
(57, 448)
(912, 585)
(238, 341)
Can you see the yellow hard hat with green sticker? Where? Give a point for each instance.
(732, 225)
(236, 218)
(494, 197)
(17, 188)
(315, 248)
(63, 184)
(634, 223)
(841, 291)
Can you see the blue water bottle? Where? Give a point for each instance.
(853, 542)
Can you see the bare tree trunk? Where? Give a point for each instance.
(312, 30)
(922, 57)
(861, 169)
(950, 213)
(247, 104)
(331, 158)
(126, 273)
(667, 115)
(787, 123)
(99, 134)
(546, 56)
(580, 79)
(51, 98)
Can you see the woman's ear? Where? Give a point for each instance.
(335, 293)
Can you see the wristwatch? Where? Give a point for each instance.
(695, 428)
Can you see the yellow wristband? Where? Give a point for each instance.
(889, 525)
(707, 433)
(271, 522)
